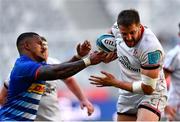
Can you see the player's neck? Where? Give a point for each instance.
(141, 33)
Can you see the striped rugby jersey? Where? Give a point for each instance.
(24, 92)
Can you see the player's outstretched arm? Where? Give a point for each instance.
(65, 70)
(146, 85)
(109, 79)
(76, 90)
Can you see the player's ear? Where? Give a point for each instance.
(140, 26)
(26, 45)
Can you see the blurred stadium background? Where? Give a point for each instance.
(65, 23)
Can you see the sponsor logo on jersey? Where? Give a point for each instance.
(126, 63)
(37, 88)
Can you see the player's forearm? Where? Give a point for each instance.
(124, 85)
(60, 71)
(75, 88)
(143, 89)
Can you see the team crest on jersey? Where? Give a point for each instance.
(126, 63)
(135, 53)
(154, 57)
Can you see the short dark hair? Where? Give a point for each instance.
(128, 17)
(43, 38)
(24, 36)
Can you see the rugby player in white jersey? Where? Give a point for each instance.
(172, 69)
(141, 82)
(49, 106)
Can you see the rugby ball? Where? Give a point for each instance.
(106, 43)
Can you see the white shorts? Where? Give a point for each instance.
(128, 103)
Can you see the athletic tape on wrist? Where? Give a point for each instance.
(87, 61)
(149, 81)
(136, 87)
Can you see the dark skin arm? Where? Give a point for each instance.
(65, 70)
(60, 71)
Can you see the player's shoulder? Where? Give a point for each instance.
(51, 60)
(149, 40)
(149, 36)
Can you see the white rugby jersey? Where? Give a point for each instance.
(172, 63)
(49, 105)
(147, 53)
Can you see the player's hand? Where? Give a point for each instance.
(110, 57)
(106, 80)
(88, 105)
(84, 48)
(97, 57)
(170, 112)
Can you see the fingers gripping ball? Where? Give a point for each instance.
(106, 43)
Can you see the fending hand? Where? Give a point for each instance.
(84, 48)
(96, 57)
(110, 57)
(101, 81)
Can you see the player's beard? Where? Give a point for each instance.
(131, 43)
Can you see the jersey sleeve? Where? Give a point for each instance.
(26, 71)
(151, 56)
